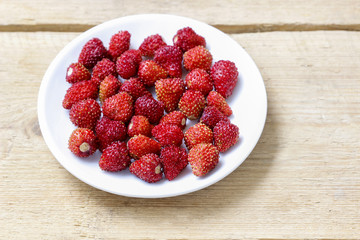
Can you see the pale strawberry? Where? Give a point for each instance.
(217, 100)
(192, 104)
(169, 92)
(197, 57)
(203, 158)
(119, 107)
(150, 71)
(199, 133)
(85, 113)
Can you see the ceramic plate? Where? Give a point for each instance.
(248, 102)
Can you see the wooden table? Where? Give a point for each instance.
(301, 181)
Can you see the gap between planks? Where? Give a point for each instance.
(230, 29)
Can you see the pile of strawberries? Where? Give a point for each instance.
(110, 103)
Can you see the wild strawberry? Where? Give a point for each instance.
(217, 100)
(139, 125)
(192, 104)
(119, 107)
(174, 160)
(226, 135)
(170, 57)
(77, 72)
(92, 52)
(150, 108)
(168, 134)
(203, 158)
(147, 168)
(104, 68)
(128, 63)
(109, 131)
(108, 87)
(82, 142)
(115, 157)
(199, 80)
(224, 74)
(80, 91)
(176, 117)
(85, 113)
(211, 116)
(186, 38)
(199, 133)
(96, 80)
(150, 71)
(197, 57)
(135, 88)
(119, 43)
(169, 92)
(151, 44)
(141, 145)
(174, 69)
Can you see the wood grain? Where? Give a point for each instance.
(301, 181)
(230, 16)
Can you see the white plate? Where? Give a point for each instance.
(248, 102)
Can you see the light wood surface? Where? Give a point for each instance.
(301, 181)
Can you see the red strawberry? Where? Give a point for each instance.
(108, 87)
(80, 91)
(225, 76)
(104, 68)
(197, 57)
(150, 71)
(139, 125)
(151, 44)
(96, 80)
(203, 158)
(119, 107)
(119, 43)
(115, 157)
(168, 134)
(170, 57)
(199, 133)
(174, 160)
(217, 100)
(176, 117)
(147, 168)
(109, 131)
(141, 145)
(198, 79)
(150, 108)
(186, 38)
(192, 103)
(169, 92)
(77, 72)
(82, 142)
(128, 63)
(135, 88)
(211, 116)
(226, 135)
(85, 113)
(92, 52)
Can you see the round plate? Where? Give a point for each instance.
(248, 102)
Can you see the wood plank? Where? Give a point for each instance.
(301, 181)
(230, 16)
